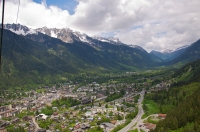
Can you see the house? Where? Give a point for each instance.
(84, 126)
(86, 101)
(3, 123)
(113, 122)
(3, 129)
(9, 113)
(41, 116)
(66, 113)
(77, 126)
(71, 95)
(26, 118)
(54, 108)
(88, 114)
(55, 113)
(107, 126)
(3, 108)
(16, 120)
(162, 116)
(56, 118)
(150, 126)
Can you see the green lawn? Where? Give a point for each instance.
(152, 108)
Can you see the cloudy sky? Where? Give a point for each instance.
(152, 24)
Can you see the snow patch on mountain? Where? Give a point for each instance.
(137, 47)
(166, 51)
(82, 37)
(66, 35)
(113, 40)
(53, 34)
(19, 29)
(183, 47)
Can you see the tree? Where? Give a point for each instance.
(161, 110)
(122, 108)
(111, 113)
(106, 105)
(37, 112)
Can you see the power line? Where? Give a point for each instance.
(2, 32)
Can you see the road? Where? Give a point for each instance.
(35, 123)
(138, 117)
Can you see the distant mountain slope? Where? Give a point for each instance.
(184, 96)
(39, 58)
(27, 54)
(65, 34)
(189, 73)
(113, 52)
(190, 54)
(168, 55)
(102, 53)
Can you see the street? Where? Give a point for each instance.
(139, 115)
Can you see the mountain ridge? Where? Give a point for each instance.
(168, 55)
(65, 34)
(44, 57)
(39, 58)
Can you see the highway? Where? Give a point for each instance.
(139, 115)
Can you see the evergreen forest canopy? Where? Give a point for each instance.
(181, 102)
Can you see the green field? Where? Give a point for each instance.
(152, 108)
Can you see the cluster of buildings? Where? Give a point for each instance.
(93, 93)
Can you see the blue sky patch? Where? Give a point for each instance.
(69, 5)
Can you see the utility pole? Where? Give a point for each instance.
(2, 31)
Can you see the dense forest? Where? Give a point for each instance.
(181, 102)
(64, 101)
(185, 117)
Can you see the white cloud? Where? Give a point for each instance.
(167, 25)
(153, 24)
(35, 15)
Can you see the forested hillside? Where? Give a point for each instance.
(189, 73)
(185, 117)
(192, 53)
(181, 102)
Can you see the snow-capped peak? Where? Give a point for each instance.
(81, 36)
(65, 34)
(113, 40)
(19, 29)
(168, 51)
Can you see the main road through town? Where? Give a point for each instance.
(139, 115)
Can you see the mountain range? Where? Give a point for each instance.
(65, 34)
(43, 54)
(167, 55)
